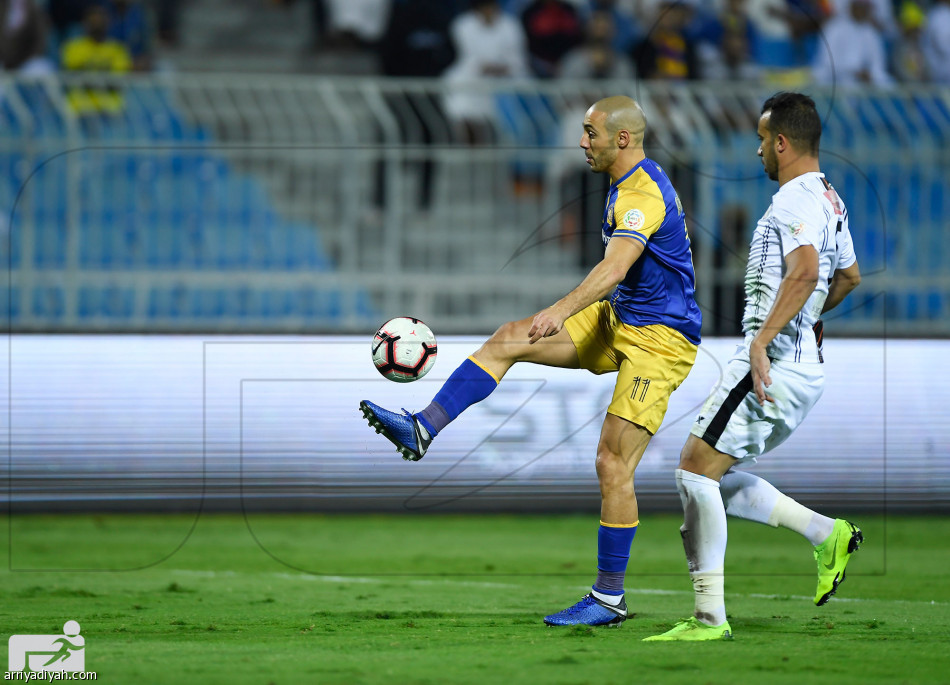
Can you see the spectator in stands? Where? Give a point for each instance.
(129, 26)
(66, 16)
(936, 42)
(786, 31)
(774, 46)
(23, 33)
(167, 19)
(417, 44)
(95, 52)
(730, 63)
(553, 28)
(354, 29)
(318, 20)
(881, 16)
(626, 31)
(731, 58)
(909, 63)
(597, 58)
(416, 41)
(700, 23)
(853, 50)
(805, 19)
(666, 53)
(356, 24)
(489, 44)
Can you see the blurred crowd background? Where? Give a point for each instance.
(283, 166)
(847, 41)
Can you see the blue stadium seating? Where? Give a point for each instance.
(180, 208)
(176, 205)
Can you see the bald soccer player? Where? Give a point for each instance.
(633, 314)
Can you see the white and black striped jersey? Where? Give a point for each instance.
(804, 211)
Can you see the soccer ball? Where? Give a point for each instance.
(404, 349)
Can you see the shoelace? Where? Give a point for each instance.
(573, 609)
(581, 605)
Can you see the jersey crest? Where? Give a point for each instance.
(634, 219)
(796, 227)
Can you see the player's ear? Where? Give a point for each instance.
(781, 142)
(623, 138)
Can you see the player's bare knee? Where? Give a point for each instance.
(686, 456)
(501, 345)
(508, 334)
(699, 458)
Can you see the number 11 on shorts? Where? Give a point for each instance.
(637, 383)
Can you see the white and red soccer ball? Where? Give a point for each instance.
(404, 349)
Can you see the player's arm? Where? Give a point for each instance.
(620, 255)
(801, 277)
(842, 283)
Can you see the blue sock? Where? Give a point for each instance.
(468, 384)
(613, 553)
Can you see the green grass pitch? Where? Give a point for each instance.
(302, 598)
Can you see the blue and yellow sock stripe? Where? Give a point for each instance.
(484, 368)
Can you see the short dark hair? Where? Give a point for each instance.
(794, 116)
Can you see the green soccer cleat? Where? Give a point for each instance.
(832, 556)
(693, 630)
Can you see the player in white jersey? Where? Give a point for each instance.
(801, 263)
(804, 211)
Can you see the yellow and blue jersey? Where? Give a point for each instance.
(660, 287)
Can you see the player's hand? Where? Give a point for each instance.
(759, 361)
(545, 324)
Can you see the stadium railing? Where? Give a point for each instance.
(244, 203)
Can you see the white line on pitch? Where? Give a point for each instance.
(309, 577)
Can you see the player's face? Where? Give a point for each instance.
(601, 150)
(767, 147)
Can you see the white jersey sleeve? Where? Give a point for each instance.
(846, 256)
(798, 220)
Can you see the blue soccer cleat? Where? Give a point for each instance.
(590, 611)
(403, 430)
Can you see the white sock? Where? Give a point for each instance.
(612, 600)
(749, 497)
(704, 540)
(790, 514)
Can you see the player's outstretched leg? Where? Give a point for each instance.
(752, 498)
(832, 557)
(411, 433)
(474, 380)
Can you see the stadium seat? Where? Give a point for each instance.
(48, 302)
